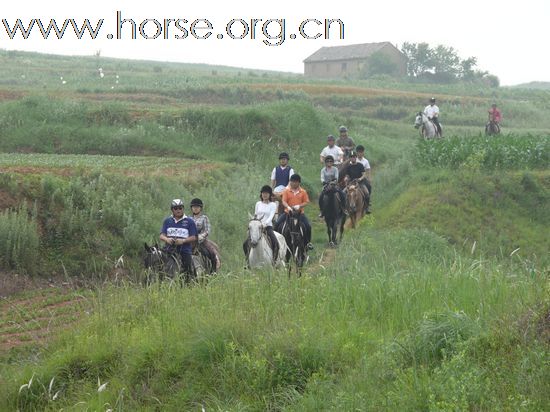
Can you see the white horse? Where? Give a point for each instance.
(260, 253)
(429, 128)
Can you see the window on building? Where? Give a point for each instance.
(344, 66)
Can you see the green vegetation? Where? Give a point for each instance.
(438, 301)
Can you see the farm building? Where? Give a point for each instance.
(353, 61)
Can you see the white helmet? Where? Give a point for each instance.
(175, 203)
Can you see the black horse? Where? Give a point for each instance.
(332, 207)
(492, 128)
(293, 232)
(164, 263)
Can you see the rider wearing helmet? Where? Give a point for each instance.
(265, 210)
(432, 112)
(206, 246)
(356, 171)
(345, 142)
(180, 232)
(280, 175)
(295, 198)
(333, 150)
(330, 174)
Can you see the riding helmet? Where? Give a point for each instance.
(176, 203)
(353, 153)
(432, 100)
(329, 157)
(196, 202)
(266, 189)
(284, 155)
(343, 129)
(330, 137)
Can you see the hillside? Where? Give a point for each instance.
(437, 301)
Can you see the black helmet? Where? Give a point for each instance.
(196, 202)
(176, 203)
(295, 178)
(330, 137)
(432, 100)
(266, 189)
(284, 155)
(353, 153)
(329, 157)
(343, 129)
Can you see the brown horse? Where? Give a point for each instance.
(355, 202)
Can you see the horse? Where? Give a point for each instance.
(293, 233)
(202, 261)
(334, 214)
(355, 202)
(429, 128)
(260, 253)
(492, 128)
(165, 263)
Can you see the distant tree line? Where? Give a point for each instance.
(443, 65)
(440, 64)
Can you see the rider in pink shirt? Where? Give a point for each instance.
(494, 114)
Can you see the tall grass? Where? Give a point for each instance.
(405, 322)
(19, 240)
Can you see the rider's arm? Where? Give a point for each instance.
(206, 229)
(323, 179)
(341, 156)
(166, 239)
(273, 178)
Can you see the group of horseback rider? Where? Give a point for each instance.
(183, 235)
(286, 195)
(432, 112)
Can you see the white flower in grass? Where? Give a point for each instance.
(101, 387)
(63, 82)
(101, 74)
(26, 385)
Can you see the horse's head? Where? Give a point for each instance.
(153, 256)
(419, 120)
(255, 230)
(352, 197)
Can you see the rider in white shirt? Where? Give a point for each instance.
(332, 150)
(432, 111)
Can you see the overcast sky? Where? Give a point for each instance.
(510, 41)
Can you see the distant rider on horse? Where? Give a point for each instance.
(180, 232)
(432, 112)
(356, 171)
(330, 174)
(345, 142)
(495, 116)
(206, 246)
(295, 198)
(332, 150)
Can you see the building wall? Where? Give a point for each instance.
(352, 68)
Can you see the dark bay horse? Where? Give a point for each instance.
(492, 128)
(333, 211)
(293, 233)
(164, 263)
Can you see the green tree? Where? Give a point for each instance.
(380, 63)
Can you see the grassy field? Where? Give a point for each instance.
(438, 301)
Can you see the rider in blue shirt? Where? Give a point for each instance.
(180, 231)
